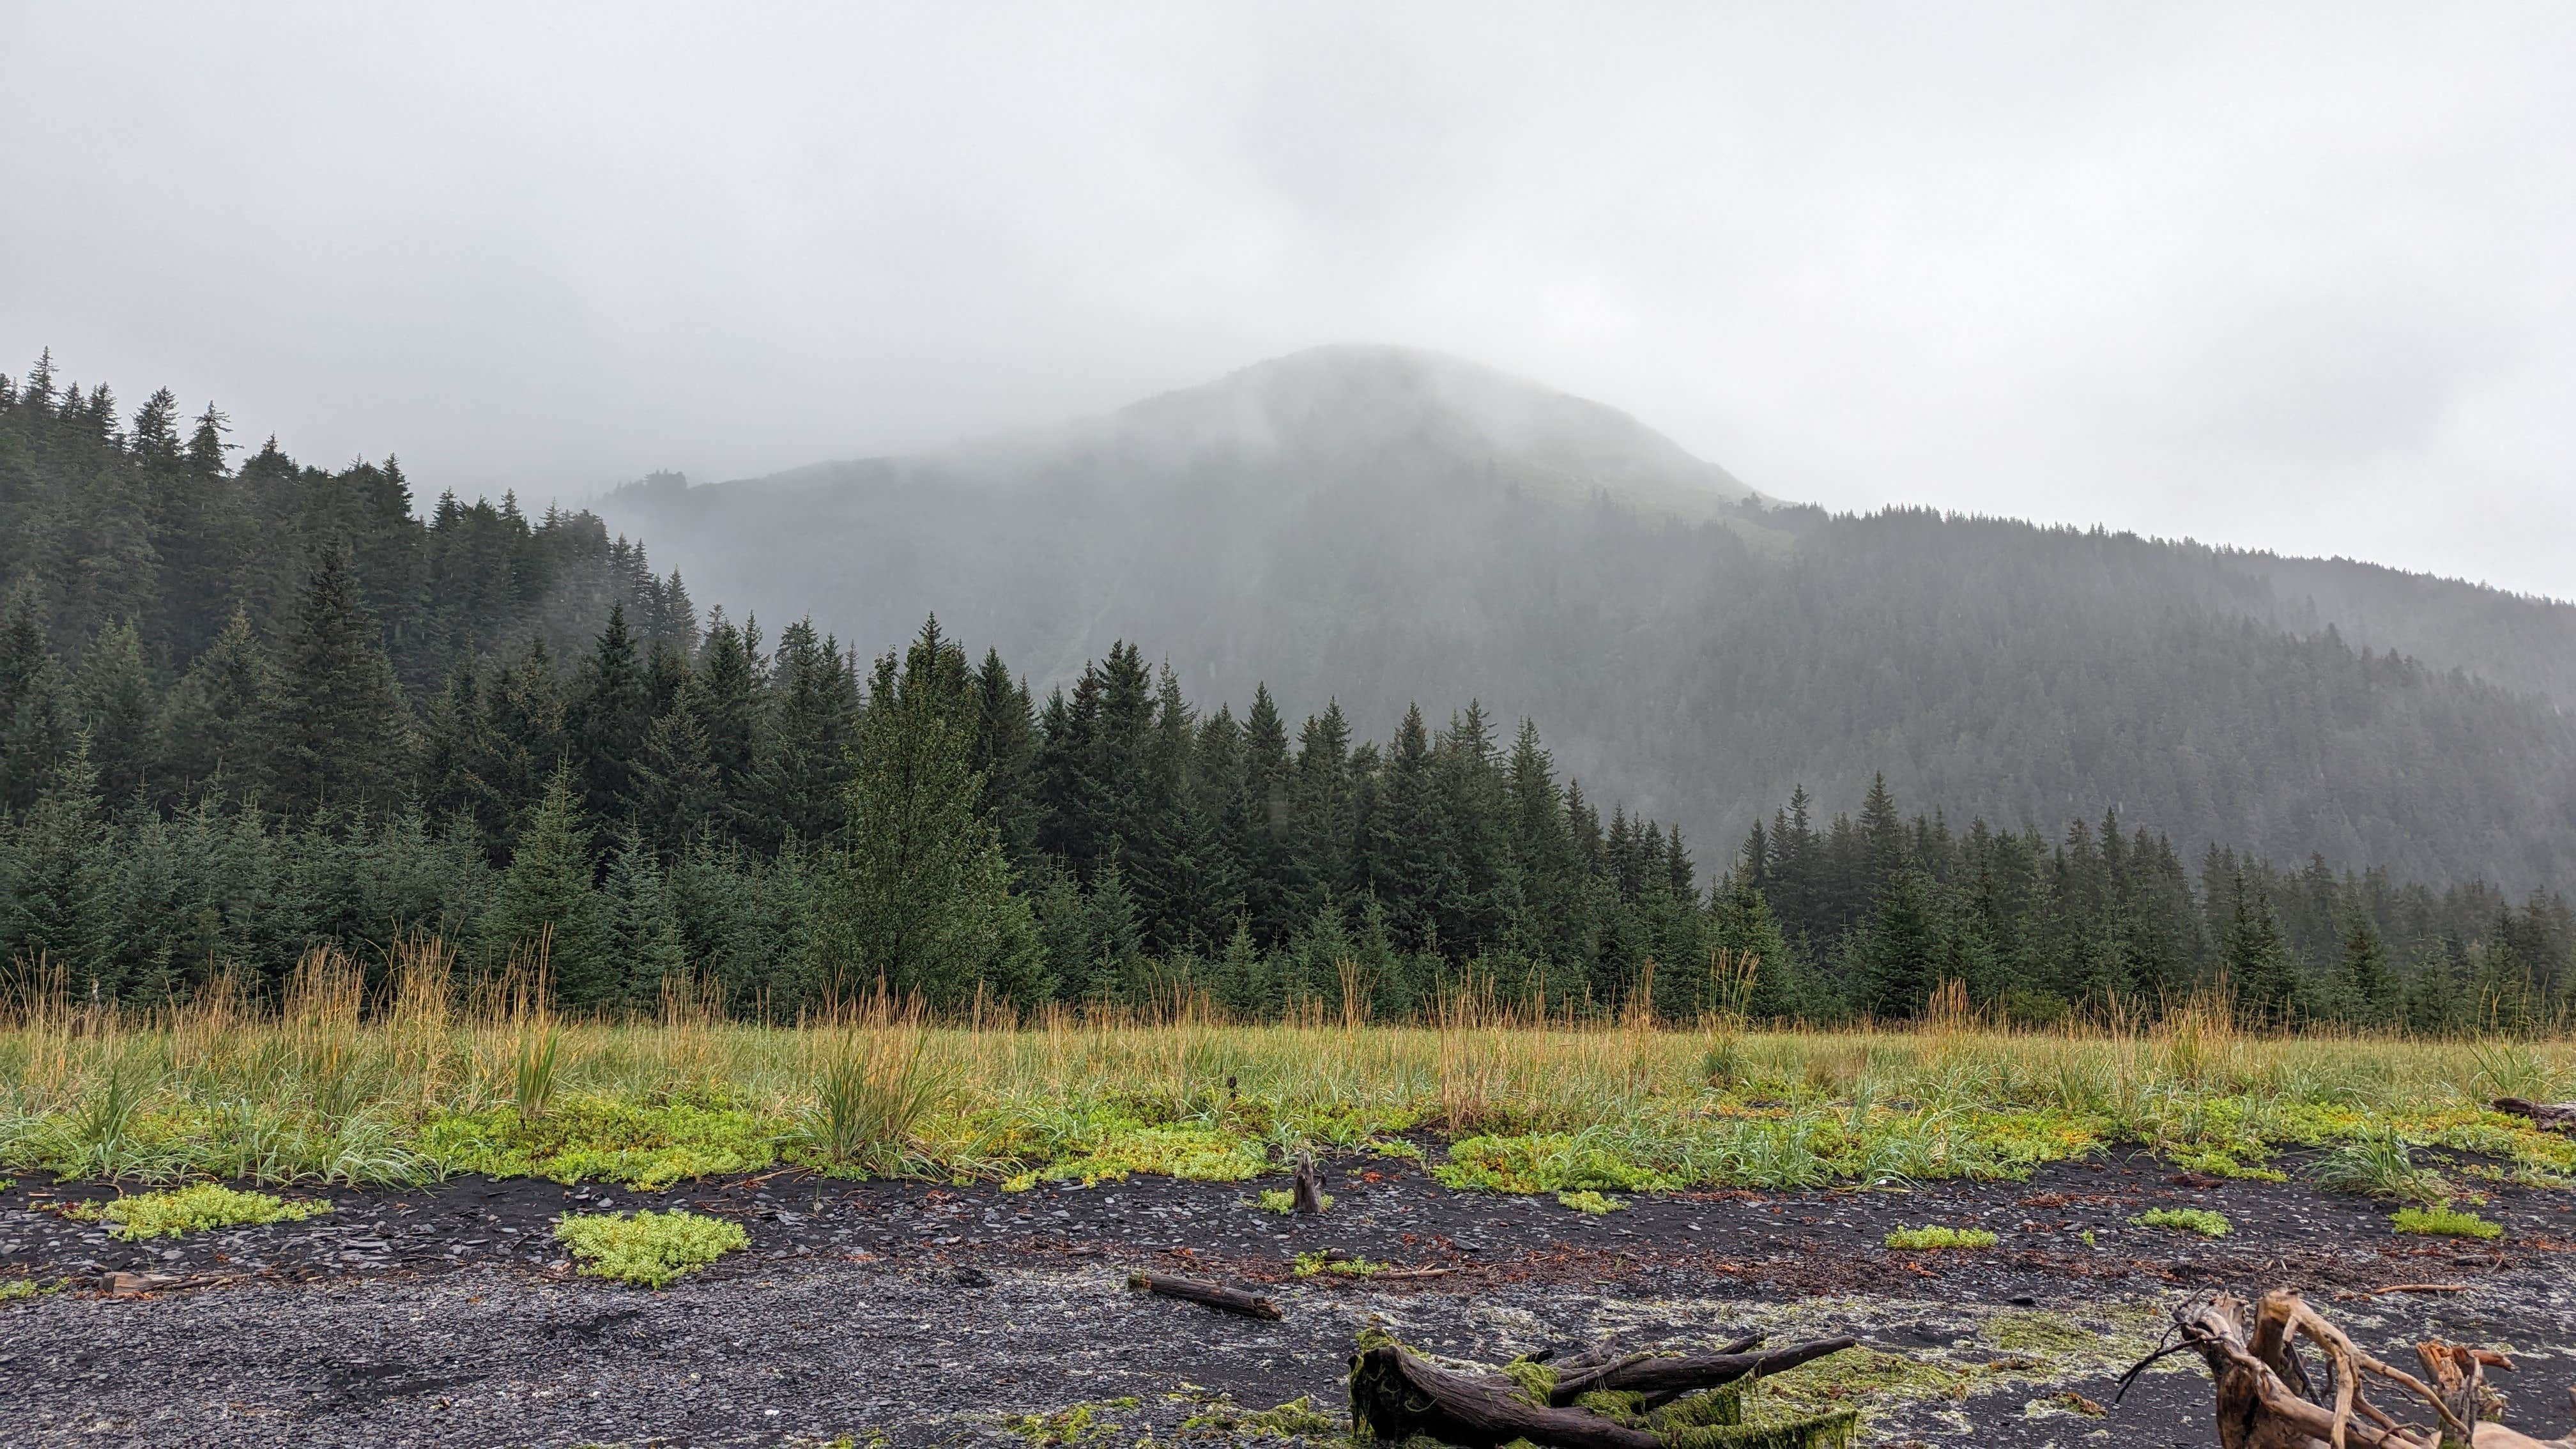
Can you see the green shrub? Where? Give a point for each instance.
(200, 1208)
(1913, 1238)
(2190, 1220)
(649, 1249)
(2441, 1220)
(1589, 1203)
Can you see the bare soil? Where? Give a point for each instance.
(938, 1315)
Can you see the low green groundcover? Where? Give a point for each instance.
(201, 1207)
(2188, 1220)
(1916, 1238)
(648, 1249)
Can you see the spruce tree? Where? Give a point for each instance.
(1901, 950)
(344, 732)
(35, 714)
(606, 721)
(643, 929)
(1006, 755)
(53, 892)
(2370, 994)
(1259, 826)
(548, 894)
(804, 756)
(2258, 962)
(118, 710)
(218, 728)
(921, 895)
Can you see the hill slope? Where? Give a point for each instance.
(1393, 526)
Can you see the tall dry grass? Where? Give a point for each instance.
(325, 1070)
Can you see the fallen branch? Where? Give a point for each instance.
(1213, 1295)
(1634, 1401)
(1665, 1377)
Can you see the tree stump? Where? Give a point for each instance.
(1306, 1192)
(2265, 1400)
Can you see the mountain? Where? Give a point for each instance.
(1387, 526)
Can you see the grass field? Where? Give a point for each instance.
(333, 1084)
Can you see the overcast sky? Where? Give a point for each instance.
(2292, 278)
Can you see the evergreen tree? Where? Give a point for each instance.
(922, 894)
(1901, 951)
(343, 728)
(219, 725)
(118, 710)
(643, 928)
(35, 716)
(606, 721)
(2258, 963)
(54, 904)
(804, 758)
(548, 895)
(2370, 993)
(1006, 755)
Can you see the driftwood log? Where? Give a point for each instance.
(1213, 1295)
(2267, 1401)
(2556, 1116)
(1628, 1401)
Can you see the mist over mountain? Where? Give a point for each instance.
(1386, 526)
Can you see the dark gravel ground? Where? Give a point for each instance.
(447, 1315)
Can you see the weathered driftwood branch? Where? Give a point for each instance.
(1663, 1378)
(2265, 1400)
(1214, 1295)
(1629, 1399)
(1306, 1192)
(2557, 1116)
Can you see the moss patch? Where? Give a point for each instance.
(200, 1208)
(2443, 1221)
(2186, 1220)
(648, 1249)
(1916, 1239)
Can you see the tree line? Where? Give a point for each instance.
(247, 708)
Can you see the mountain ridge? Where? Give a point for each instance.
(1337, 525)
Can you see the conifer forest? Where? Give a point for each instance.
(249, 706)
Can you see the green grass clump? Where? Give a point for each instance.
(1915, 1238)
(2443, 1221)
(196, 1209)
(19, 1289)
(1310, 1264)
(1589, 1203)
(649, 1249)
(2378, 1165)
(2190, 1220)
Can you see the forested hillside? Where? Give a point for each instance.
(1334, 525)
(247, 707)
